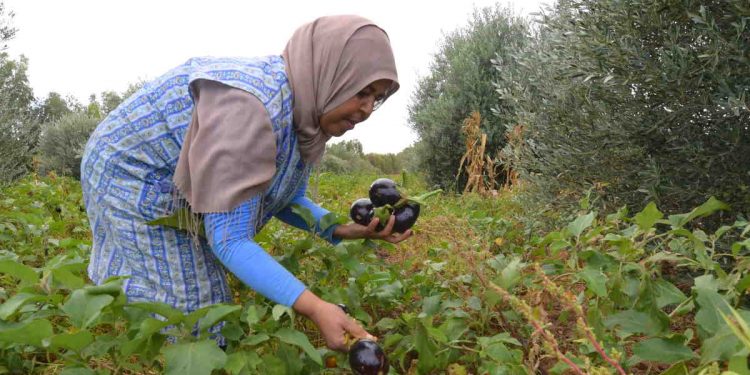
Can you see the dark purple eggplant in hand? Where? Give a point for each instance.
(406, 216)
(383, 191)
(361, 211)
(367, 358)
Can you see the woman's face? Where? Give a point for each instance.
(358, 108)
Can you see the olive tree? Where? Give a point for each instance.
(62, 143)
(462, 78)
(646, 100)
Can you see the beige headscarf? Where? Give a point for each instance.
(328, 61)
(228, 154)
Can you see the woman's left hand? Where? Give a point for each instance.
(355, 231)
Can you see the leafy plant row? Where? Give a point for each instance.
(607, 293)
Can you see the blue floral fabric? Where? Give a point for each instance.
(127, 170)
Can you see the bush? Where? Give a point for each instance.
(462, 79)
(62, 143)
(346, 157)
(645, 99)
(19, 131)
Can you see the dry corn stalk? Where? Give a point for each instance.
(478, 165)
(514, 141)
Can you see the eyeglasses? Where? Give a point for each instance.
(377, 101)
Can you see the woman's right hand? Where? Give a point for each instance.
(334, 324)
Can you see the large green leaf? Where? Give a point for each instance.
(182, 219)
(580, 224)
(511, 274)
(708, 208)
(83, 308)
(648, 217)
(73, 341)
(9, 307)
(30, 332)
(216, 314)
(663, 350)
(632, 321)
(667, 293)
(710, 305)
(171, 314)
(194, 358)
(299, 339)
(596, 281)
(22, 272)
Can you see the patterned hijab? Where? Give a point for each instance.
(328, 61)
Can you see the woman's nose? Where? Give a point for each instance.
(368, 104)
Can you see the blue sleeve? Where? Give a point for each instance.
(290, 217)
(231, 238)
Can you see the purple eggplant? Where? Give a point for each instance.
(367, 358)
(361, 211)
(383, 191)
(406, 216)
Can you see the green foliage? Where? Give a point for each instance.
(647, 99)
(7, 32)
(54, 106)
(18, 130)
(62, 143)
(462, 79)
(385, 163)
(646, 297)
(346, 157)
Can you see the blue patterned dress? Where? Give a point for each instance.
(127, 171)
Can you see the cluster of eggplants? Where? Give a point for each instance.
(385, 199)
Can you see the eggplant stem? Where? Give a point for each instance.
(419, 199)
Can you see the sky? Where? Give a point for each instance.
(84, 47)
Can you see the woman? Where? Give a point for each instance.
(234, 140)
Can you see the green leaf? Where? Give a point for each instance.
(710, 306)
(279, 310)
(194, 358)
(22, 272)
(632, 321)
(667, 293)
(254, 315)
(172, 315)
(708, 208)
(510, 275)
(677, 369)
(431, 305)
(663, 350)
(215, 314)
(648, 217)
(330, 219)
(111, 286)
(192, 318)
(29, 332)
(65, 277)
(149, 326)
(13, 304)
(83, 308)
(305, 214)
(299, 339)
(595, 280)
(719, 347)
(580, 224)
(182, 219)
(72, 341)
(255, 339)
(738, 364)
